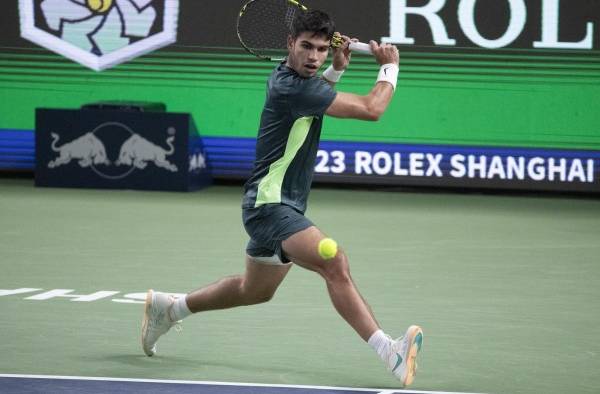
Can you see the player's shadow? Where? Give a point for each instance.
(178, 365)
(145, 362)
(196, 365)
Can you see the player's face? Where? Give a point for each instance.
(307, 53)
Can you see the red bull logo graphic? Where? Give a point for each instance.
(87, 149)
(100, 34)
(136, 152)
(119, 149)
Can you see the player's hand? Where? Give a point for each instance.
(385, 53)
(342, 54)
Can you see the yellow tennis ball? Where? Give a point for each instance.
(328, 248)
(99, 5)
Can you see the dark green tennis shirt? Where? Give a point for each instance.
(288, 139)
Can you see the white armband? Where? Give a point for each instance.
(332, 75)
(389, 73)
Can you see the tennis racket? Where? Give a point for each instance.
(264, 25)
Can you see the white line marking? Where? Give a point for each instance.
(126, 301)
(201, 382)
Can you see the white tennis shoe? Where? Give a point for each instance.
(156, 319)
(402, 359)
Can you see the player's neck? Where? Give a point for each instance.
(288, 65)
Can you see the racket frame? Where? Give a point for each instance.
(355, 47)
(250, 50)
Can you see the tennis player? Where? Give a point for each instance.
(276, 195)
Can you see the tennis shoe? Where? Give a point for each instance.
(402, 358)
(156, 319)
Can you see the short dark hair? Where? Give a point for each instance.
(313, 21)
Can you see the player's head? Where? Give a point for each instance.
(309, 41)
(315, 22)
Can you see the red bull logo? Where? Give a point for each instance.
(88, 149)
(136, 152)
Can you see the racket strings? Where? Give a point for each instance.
(289, 16)
(263, 26)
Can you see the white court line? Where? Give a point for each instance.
(201, 382)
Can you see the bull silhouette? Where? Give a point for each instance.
(138, 151)
(87, 148)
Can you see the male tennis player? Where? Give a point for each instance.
(276, 193)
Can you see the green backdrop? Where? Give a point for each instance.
(508, 98)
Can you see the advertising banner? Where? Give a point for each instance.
(429, 165)
(118, 150)
(464, 167)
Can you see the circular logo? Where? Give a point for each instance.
(113, 135)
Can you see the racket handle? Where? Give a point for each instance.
(361, 47)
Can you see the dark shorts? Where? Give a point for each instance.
(268, 226)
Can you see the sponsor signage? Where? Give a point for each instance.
(88, 31)
(429, 165)
(459, 166)
(119, 149)
(541, 24)
(100, 34)
(537, 25)
(419, 165)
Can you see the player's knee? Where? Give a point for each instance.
(337, 269)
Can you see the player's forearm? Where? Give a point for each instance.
(371, 106)
(380, 96)
(377, 101)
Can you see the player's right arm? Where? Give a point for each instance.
(374, 104)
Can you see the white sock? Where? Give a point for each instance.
(179, 310)
(381, 343)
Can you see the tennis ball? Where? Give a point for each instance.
(327, 248)
(99, 6)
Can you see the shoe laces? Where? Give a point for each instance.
(158, 319)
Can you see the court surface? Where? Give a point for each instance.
(506, 288)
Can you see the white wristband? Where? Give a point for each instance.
(332, 75)
(389, 73)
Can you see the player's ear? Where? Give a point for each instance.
(290, 42)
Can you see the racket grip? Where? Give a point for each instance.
(361, 47)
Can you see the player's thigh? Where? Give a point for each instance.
(263, 278)
(303, 249)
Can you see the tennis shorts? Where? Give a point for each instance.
(268, 226)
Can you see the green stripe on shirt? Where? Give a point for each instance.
(269, 188)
